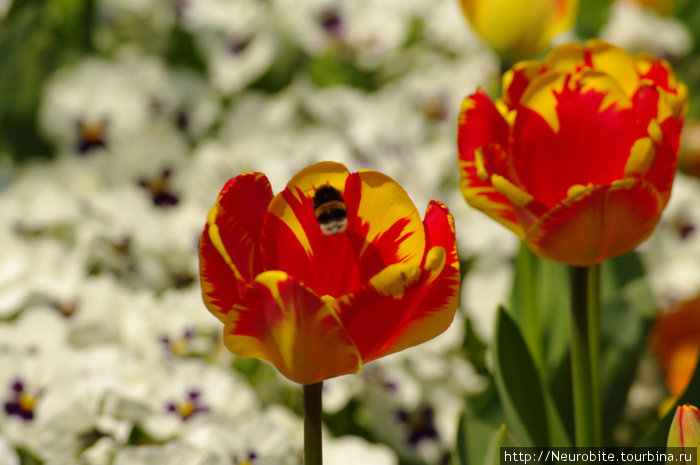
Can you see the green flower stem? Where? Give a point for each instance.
(312, 424)
(585, 354)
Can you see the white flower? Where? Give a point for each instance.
(351, 450)
(175, 325)
(171, 453)
(629, 27)
(672, 252)
(5, 6)
(15, 268)
(93, 106)
(187, 393)
(236, 38)
(260, 439)
(8, 455)
(446, 28)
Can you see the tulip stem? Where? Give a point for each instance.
(585, 354)
(312, 424)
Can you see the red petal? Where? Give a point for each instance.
(228, 250)
(600, 223)
(237, 218)
(218, 282)
(281, 321)
(384, 320)
(482, 126)
(590, 147)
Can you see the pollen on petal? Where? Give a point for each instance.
(515, 194)
(641, 157)
(655, 132)
(479, 164)
(435, 261)
(578, 189)
(393, 280)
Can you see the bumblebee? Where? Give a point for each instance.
(330, 210)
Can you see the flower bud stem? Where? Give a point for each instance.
(312, 424)
(585, 354)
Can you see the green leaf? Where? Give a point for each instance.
(618, 272)
(334, 67)
(474, 348)
(501, 438)
(627, 316)
(592, 17)
(27, 457)
(481, 418)
(529, 409)
(540, 304)
(625, 329)
(472, 434)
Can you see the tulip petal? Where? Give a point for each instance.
(675, 339)
(685, 428)
(614, 62)
(481, 126)
(279, 320)
(383, 227)
(236, 219)
(217, 279)
(516, 80)
(228, 247)
(564, 15)
(413, 309)
(591, 144)
(597, 222)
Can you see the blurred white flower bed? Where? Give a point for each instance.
(107, 353)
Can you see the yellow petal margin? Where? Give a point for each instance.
(279, 320)
(383, 203)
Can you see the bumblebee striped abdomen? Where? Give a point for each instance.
(330, 210)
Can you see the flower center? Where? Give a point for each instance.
(159, 189)
(21, 403)
(179, 346)
(91, 135)
(190, 407)
(419, 424)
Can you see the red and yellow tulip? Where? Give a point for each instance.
(519, 29)
(319, 305)
(579, 154)
(685, 429)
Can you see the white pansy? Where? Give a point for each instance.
(101, 306)
(671, 253)
(15, 268)
(351, 450)
(5, 6)
(376, 30)
(8, 455)
(174, 325)
(236, 38)
(259, 439)
(171, 453)
(446, 28)
(187, 393)
(93, 106)
(629, 27)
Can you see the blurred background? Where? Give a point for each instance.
(120, 120)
